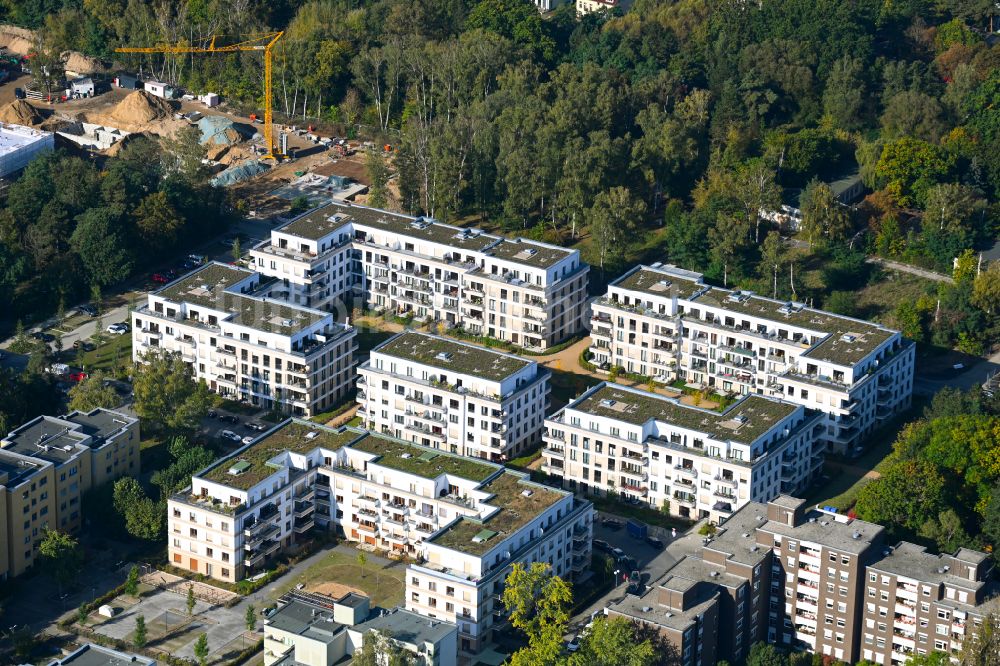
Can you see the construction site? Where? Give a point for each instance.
(117, 107)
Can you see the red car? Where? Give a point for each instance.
(78, 376)
(160, 278)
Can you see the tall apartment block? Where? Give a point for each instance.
(238, 333)
(667, 323)
(465, 522)
(818, 581)
(917, 603)
(449, 395)
(696, 462)
(46, 466)
(528, 293)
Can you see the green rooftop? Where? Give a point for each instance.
(659, 283)
(848, 340)
(744, 422)
(251, 462)
(422, 461)
(529, 253)
(270, 315)
(519, 500)
(204, 285)
(434, 232)
(446, 354)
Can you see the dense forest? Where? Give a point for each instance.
(657, 134)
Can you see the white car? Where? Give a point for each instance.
(230, 435)
(118, 329)
(248, 439)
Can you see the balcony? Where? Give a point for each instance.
(303, 509)
(304, 524)
(690, 471)
(368, 500)
(260, 536)
(727, 481)
(323, 498)
(554, 452)
(257, 556)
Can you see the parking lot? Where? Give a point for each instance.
(212, 427)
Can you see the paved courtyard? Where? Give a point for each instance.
(171, 630)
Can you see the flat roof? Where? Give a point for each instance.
(323, 221)
(647, 607)
(913, 561)
(96, 655)
(14, 137)
(16, 468)
(208, 285)
(744, 421)
(529, 253)
(423, 461)
(408, 627)
(660, 282)
(305, 619)
(854, 536)
(848, 340)
(737, 537)
(446, 354)
(46, 438)
(294, 435)
(519, 502)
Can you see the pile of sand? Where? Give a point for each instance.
(74, 61)
(20, 41)
(141, 107)
(118, 146)
(20, 112)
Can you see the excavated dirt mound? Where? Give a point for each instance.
(82, 64)
(20, 112)
(127, 139)
(141, 107)
(17, 40)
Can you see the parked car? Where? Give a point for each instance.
(612, 523)
(257, 427)
(78, 376)
(118, 329)
(230, 435)
(655, 543)
(573, 644)
(43, 336)
(212, 414)
(602, 546)
(160, 278)
(88, 310)
(248, 439)
(84, 345)
(229, 418)
(617, 553)
(19, 93)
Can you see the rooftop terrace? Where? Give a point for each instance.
(292, 435)
(745, 421)
(659, 283)
(204, 285)
(529, 253)
(446, 354)
(519, 502)
(423, 461)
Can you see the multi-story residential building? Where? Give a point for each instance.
(584, 7)
(917, 603)
(316, 630)
(667, 323)
(818, 581)
(454, 396)
(528, 293)
(47, 465)
(240, 335)
(696, 462)
(464, 521)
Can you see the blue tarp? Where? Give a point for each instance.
(239, 173)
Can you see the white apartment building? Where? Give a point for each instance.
(454, 396)
(530, 294)
(696, 462)
(465, 522)
(238, 334)
(666, 323)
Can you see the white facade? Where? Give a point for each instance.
(20, 145)
(247, 344)
(453, 396)
(527, 293)
(668, 324)
(463, 522)
(696, 462)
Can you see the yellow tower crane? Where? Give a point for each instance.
(264, 42)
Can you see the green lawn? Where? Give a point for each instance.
(115, 349)
(384, 585)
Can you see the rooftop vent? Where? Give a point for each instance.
(856, 535)
(312, 434)
(607, 402)
(848, 337)
(527, 492)
(646, 609)
(484, 536)
(443, 356)
(406, 456)
(754, 548)
(812, 520)
(746, 535)
(714, 574)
